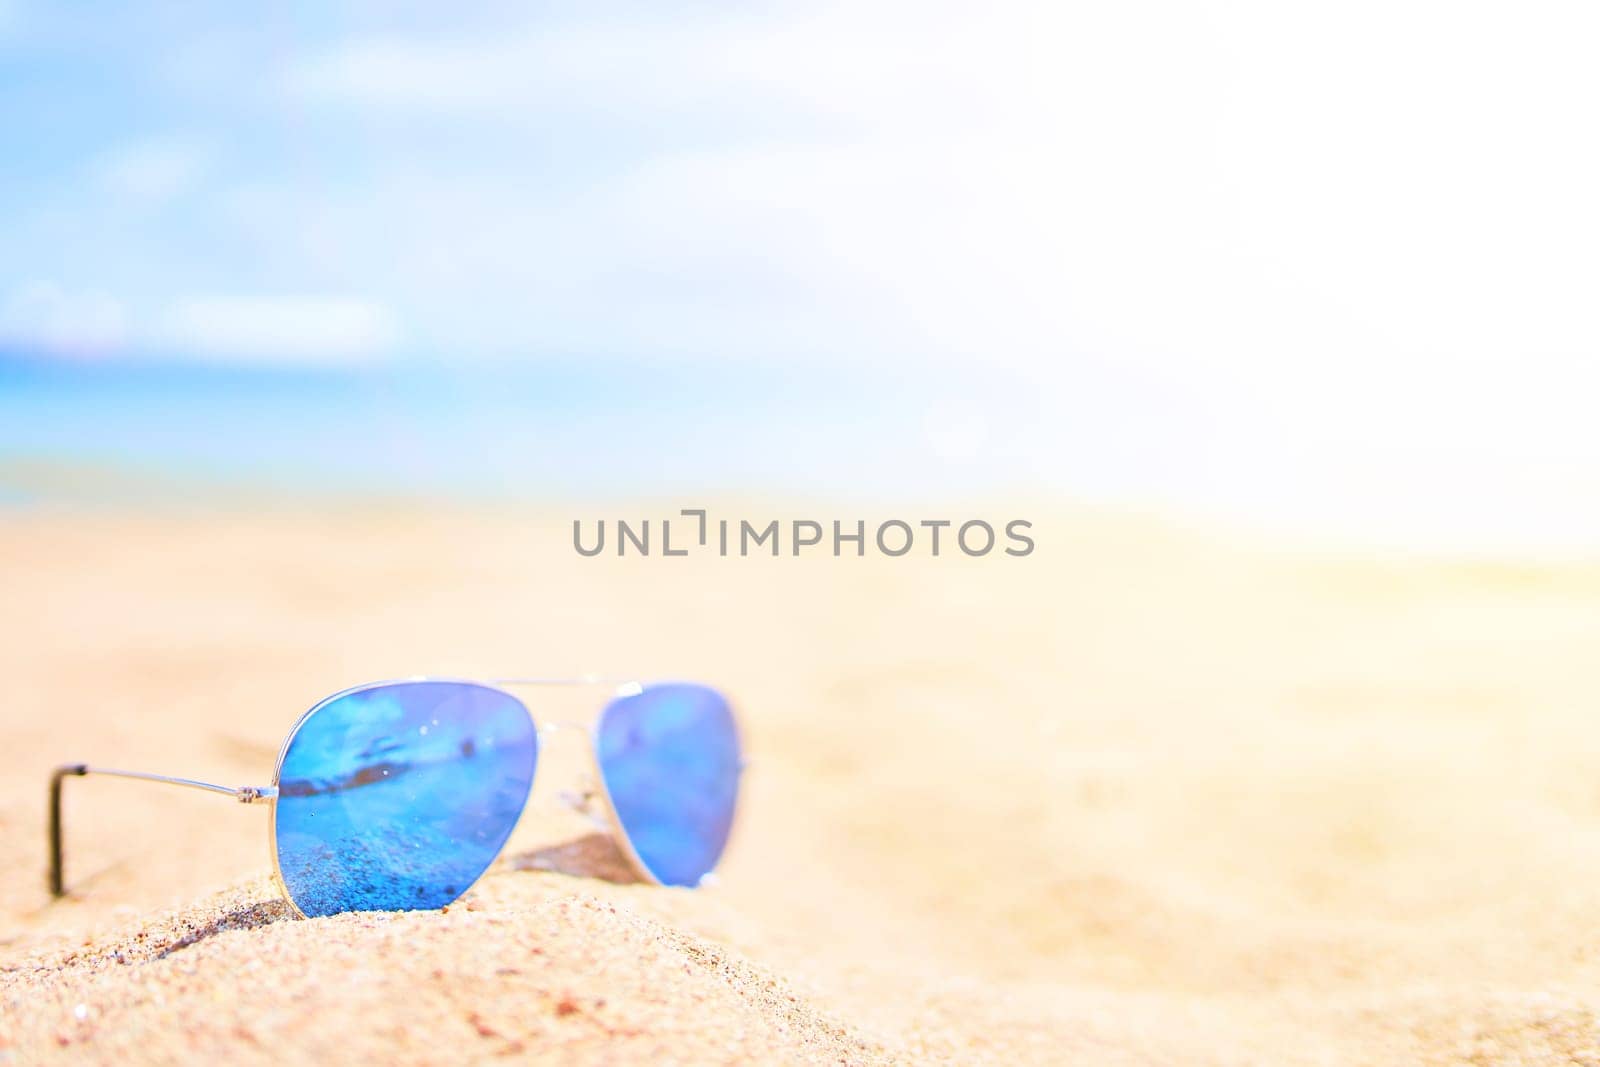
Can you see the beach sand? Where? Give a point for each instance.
(1151, 795)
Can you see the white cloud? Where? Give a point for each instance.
(403, 73)
(41, 316)
(278, 329)
(152, 171)
(846, 61)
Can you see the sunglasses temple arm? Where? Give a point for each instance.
(248, 794)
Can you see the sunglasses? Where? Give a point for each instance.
(397, 796)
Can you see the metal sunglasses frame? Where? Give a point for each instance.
(268, 794)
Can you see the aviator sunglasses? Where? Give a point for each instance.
(397, 796)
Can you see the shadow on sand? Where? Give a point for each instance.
(591, 856)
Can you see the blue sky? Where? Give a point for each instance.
(1323, 268)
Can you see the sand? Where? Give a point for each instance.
(1152, 795)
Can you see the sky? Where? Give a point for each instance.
(1327, 267)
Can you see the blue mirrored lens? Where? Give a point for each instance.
(670, 758)
(399, 796)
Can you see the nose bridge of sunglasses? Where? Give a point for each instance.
(562, 728)
(570, 746)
